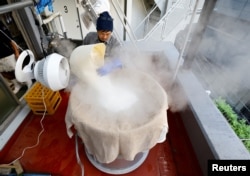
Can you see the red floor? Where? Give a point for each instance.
(55, 153)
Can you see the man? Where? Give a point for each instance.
(8, 55)
(104, 27)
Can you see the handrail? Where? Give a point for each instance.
(185, 42)
(87, 4)
(52, 17)
(127, 27)
(145, 18)
(132, 37)
(163, 18)
(124, 16)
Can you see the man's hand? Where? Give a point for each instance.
(109, 67)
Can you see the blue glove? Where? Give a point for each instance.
(109, 67)
(42, 4)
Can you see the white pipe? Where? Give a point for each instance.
(52, 17)
(14, 6)
(62, 26)
(124, 25)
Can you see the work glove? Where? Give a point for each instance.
(109, 67)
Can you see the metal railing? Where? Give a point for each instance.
(176, 12)
(88, 6)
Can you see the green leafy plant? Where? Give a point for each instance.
(241, 128)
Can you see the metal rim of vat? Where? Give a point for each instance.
(131, 165)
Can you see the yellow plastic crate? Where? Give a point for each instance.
(40, 96)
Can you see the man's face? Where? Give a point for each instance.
(104, 35)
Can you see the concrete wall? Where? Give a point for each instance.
(210, 134)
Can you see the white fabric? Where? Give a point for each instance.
(107, 133)
(8, 63)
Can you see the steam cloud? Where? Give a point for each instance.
(223, 63)
(154, 64)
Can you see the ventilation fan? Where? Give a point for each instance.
(52, 71)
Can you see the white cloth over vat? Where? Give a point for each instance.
(108, 134)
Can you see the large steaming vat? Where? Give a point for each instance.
(119, 117)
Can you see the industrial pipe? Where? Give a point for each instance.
(17, 5)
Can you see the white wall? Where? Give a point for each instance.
(68, 9)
